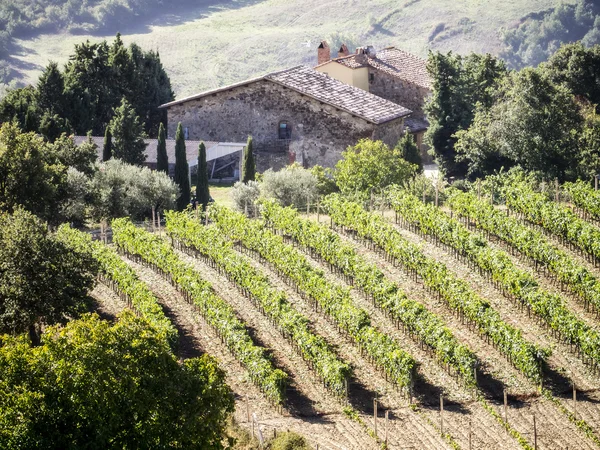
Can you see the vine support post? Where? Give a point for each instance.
(153, 219)
(442, 413)
(596, 182)
(534, 434)
(318, 211)
(375, 416)
(437, 192)
(505, 409)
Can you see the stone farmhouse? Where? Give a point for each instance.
(308, 115)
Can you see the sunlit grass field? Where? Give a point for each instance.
(208, 46)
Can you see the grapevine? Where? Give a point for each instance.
(158, 253)
(515, 282)
(334, 300)
(527, 357)
(210, 242)
(428, 327)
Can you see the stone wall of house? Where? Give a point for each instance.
(319, 132)
(390, 132)
(398, 91)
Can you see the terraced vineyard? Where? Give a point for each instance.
(317, 319)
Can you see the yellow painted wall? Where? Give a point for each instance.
(354, 77)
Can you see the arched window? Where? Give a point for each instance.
(285, 130)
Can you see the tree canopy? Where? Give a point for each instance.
(42, 282)
(127, 135)
(370, 166)
(248, 164)
(182, 170)
(96, 385)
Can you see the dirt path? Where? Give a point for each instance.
(106, 303)
(406, 428)
(331, 431)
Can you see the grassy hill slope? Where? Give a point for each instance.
(205, 47)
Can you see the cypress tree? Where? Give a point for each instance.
(128, 135)
(162, 159)
(248, 167)
(202, 193)
(181, 170)
(107, 148)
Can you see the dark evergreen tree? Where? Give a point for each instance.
(408, 150)
(52, 126)
(182, 171)
(127, 135)
(107, 147)
(30, 121)
(50, 90)
(248, 166)
(162, 159)
(202, 193)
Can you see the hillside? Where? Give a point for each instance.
(208, 46)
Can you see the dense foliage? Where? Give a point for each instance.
(371, 166)
(127, 135)
(333, 299)
(101, 386)
(211, 242)
(248, 163)
(527, 357)
(219, 314)
(42, 281)
(539, 35)
(292, 185)
(182, 170)
(202, 192)
(82, 97)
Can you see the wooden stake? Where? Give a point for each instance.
(505, 409)
(308, 205)
(596, 182)
(574, 401)
(387, 419)
(247, 409)
(534, 434)
(318, 211)
(442, 413)
(470, 434)
(375, 415)
(371, 202)
(423, 195)
(153, 219)
(437, 192)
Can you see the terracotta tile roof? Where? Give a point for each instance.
(348, 98)
(325, 89)
(393, 61)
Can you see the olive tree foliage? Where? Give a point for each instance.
(42, 282)
(121, 189)
(291, 186)
(97, 385)
(371, 166)
(244, 195)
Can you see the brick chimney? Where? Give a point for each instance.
(323, 53)
(361, 55)
(343, 51)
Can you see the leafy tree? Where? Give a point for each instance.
(52, 126)
(533, 124)
(577, 68)
(202, 193)
(107, 147)
(30, 176)
(162, 159)
(128, 135)
(81, 157)
(370, 166)
(17, 104)
(121, 189)
(96, 385)
(589, 143)
(50, 91)
(41, 281)
(248, 164)
(409, 151)
(325, 180)
(293, 185)
(459, 85)
(182, 170)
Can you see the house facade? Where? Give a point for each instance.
(298, 114)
